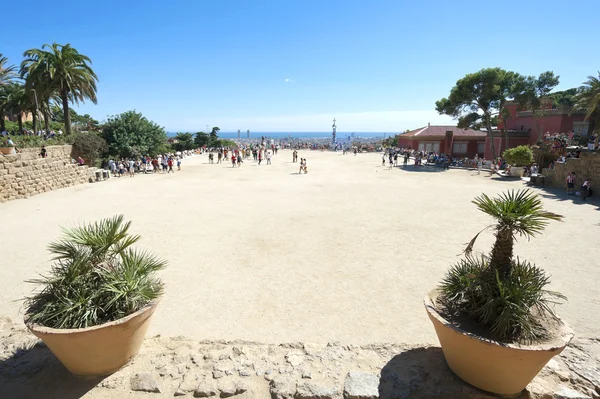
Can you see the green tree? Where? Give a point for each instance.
(214, 136)
(16, 101)
(533, 96)
(588, 99)
(201, 139)
(185, 141)
(131, 134)
(564, 97)
(90, 146)
(7, 72)
(477, 98)
(518, 156)
(65, 71)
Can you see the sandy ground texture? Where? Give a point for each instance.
(345, 253)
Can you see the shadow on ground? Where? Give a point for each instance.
(421, 168)
(34, 372)
(422, 373)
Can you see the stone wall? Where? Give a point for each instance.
(588, 165)
(25, 174)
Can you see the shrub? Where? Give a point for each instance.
(518, 156)
(507, 297)
(89, 146)
(96, 278)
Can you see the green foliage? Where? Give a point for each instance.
(89, 146)
(130, 135)
(514, 308)
(478, 97)
(201, 139)
(60, 70)
(518, 156)
(508, 297)
(37, 141)
(588, 100)
(531, 94)
(226, 143)
(97, 277)
(185, 141)
(564, 97)
(213, 137)
(7, 72)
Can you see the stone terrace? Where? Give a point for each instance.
(25, 174)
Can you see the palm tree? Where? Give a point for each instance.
(7, 74)
(64, 71)
(16, 101)
(517, 213)
(588, 99)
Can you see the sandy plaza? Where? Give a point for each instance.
(343, 253)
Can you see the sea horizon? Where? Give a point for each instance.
(297, 135)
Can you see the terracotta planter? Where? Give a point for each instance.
(7, 150)
(98, 350)
(504, 369)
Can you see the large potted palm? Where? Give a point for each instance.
(493, 314)
(94, 307)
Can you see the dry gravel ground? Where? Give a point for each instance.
(345, 253)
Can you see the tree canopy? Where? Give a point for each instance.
(531, 93)
(61, 70)
(185, 141)
(130, 134)
(588, 100)
(478, 97)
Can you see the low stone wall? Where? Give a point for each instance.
(588, 165)
(181, 367)
(25, 174)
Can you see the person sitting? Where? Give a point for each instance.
(586, 189)
(43, 152)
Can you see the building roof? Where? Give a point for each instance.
(440, 131)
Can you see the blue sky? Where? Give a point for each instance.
(284, 65)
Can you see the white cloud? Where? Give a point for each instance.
(287, 80)
(380, 121)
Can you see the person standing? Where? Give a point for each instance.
(268, 157)
(178, 163)
(260, 157)
(479, 165)
(170, 165)
(233, 159)
(570, 183)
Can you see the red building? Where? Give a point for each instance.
(552, 120)
(445, 139)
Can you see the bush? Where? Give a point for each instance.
(507, 297)
(518, 156)
(513, 308)
(89, 146)
(97, 278)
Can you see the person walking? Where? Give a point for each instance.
(233, 159)
(260, 157)
(178, 163)
(170, 165)
(268, 157)
(571, 183)
(479, 165)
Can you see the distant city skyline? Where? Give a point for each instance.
(275, 66)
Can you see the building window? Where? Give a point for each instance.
(459, 148)
(581, 128)
(481, 148)
(429, 147)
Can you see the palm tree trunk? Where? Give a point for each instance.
(34, 121)
(46, 121)
(2, 123)
(20, 121)
(502, 252)
(67, 116)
